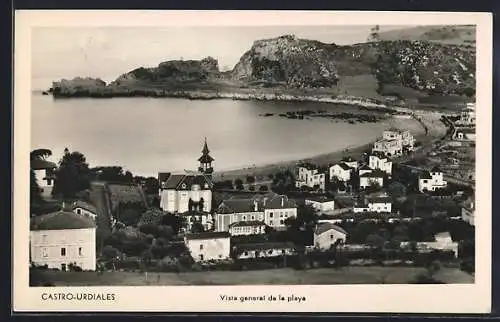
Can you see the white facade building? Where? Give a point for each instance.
(468, 115)
(266, 250)
(369, 178)
(379, 162)
(180, 193)
(379, 204)
(321, 204)
(404, 136)
(310, 176)
(63, 238)
(340, 171)
(327, 234)
(208, 246)
(431, 180)
(84, 208)
(45, 176)
(272, 209)
(469, 211)
(389, 148)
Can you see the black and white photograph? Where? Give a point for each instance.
(253, 155)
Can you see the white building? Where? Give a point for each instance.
(208, 246)
(380, 162)
(389, 148)
(63, 238)
(352, 163)
(340, 171)
(378, 204)
(45, 176)
(406, 138)
(370, 178)
(84, 208)
(271, 208)
(364, 169)
(180, 193)
(310, 176)
(204, 218)
(431, 180)
(321, 204)
(327, 234)
(264, 250)
(247, 228)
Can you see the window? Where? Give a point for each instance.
(425, 181)
(244, 217)
(201, 247)
(45, 252)
(245, 253)
(201, 257)
(281, 222)
(283, 251)
(331, 236)
(270, 215)
(63, 251)
(63, 267)
(253, 217)
(271, 222)
(80, 251)
(79, 211)
(220, 255)
(270, 252)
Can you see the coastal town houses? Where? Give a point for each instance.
(326, 235)
(45, 176)
(380, 162)
(431, 180)
(340, 171)
(271, 208)
(364, 169)
(321, 203)
(191, 191)
(245, 228)
(351, 162)
(84, 208)
(469, 211)
(311, 176)
(208, 246)
(264, 250)
(368, 179)
(377, 204)
(62, 239)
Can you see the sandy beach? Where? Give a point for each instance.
(436, 129)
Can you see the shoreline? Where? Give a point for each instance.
(436, 131)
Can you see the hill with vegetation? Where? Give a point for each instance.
(423, 62)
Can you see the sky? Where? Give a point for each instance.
(107, 53)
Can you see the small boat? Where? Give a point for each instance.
(45, 93)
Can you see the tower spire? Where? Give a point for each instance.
(205, 160)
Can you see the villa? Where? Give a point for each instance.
(272, 209)
(321, 204)
(378, 204)
(208, 246)
(380, 162)
(375, 177)
(327, 234)
(389, 148)
(406, 138)
(62, 239)
(340, 171)
(310, 176)
(431, 180)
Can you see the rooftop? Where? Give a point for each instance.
(344, 166)
(379, 199)
(436, 169)
(247, 223)
(425, 175)
(324, 227)
(320, 198)
(163, 176)
(209, 235)
(267, 201)
(84, 205)
(373, 174)
(185, 181)
(61, 220)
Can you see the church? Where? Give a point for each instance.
(191, 191)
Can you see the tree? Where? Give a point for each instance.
(375, 241)
(250, 179)
(238, 184)
(197, 227)
(306, 216)
(72, 176)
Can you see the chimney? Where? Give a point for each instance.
(255, 205)
(282, 201)
(265, 200)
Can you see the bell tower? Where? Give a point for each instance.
(205, 160)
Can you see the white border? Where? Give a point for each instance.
(473, 298)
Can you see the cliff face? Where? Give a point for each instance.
(288, 61)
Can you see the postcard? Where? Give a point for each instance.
(252, 161)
